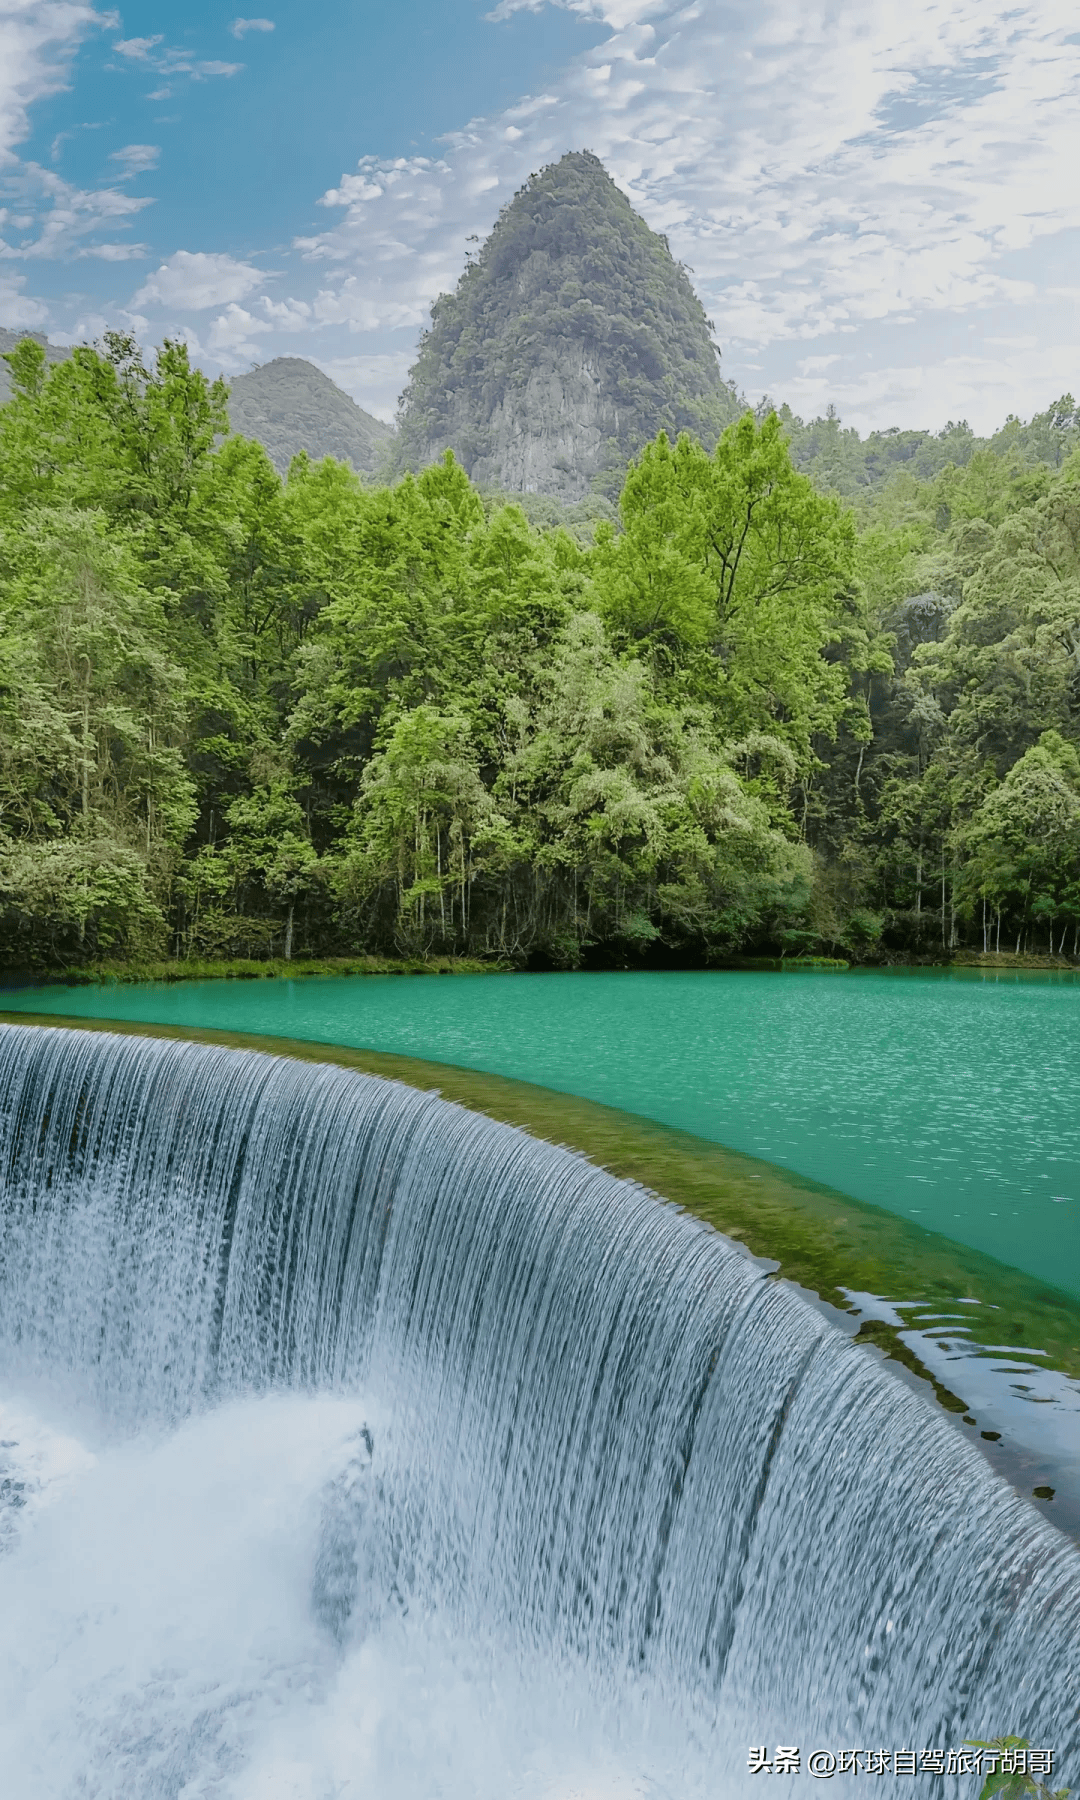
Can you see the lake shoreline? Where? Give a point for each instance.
(303, 968)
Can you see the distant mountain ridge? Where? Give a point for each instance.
(571, 339)
(289, 405)
(54, 353)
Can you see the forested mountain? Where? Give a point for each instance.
(241, 716)
(290, 406)
(287, 405)
(838, 460)
(572, 338)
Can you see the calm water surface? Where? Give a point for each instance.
(951, 1098)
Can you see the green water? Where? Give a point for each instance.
(951, 1098)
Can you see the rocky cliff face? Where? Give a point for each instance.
(289, 405)
(572, 338)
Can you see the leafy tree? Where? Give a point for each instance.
(736, 552)
(1024, 841)
(93, 716)
(1008, 1779)
(236, 889)
(425, 827)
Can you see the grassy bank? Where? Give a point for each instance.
(825, 1241)
(1008, 959)
(247, 969)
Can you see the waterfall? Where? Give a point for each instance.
(594, 1435)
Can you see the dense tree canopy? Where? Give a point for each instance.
(241, 715)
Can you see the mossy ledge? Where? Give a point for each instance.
(827, 1242)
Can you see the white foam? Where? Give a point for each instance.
(37, 1465)
(157, 1636)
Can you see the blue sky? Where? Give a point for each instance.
(878, 198)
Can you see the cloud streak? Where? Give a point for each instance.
(135, 159)
(143, 53)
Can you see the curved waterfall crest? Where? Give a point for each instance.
(600, 1426)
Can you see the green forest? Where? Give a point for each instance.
(807, 694)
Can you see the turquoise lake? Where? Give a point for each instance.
(952, 1098)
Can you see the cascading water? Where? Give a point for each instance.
(357, 1444)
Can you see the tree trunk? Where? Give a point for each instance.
(288, 933)
(86, 753)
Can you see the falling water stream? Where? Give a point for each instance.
(355, 1444)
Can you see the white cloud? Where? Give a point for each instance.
(115, 252)
(192, 280)
(507, 8)
(823, 170)
(405, 227)
(815, 365)
(983, 389)
(59, 216)
(88, 327)
(38, 39)
(286, 315)
(134, 159)
(618, 12)
(233, 331)
(18, 310)
(843, 182)
(143, 52)
(137, 49)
